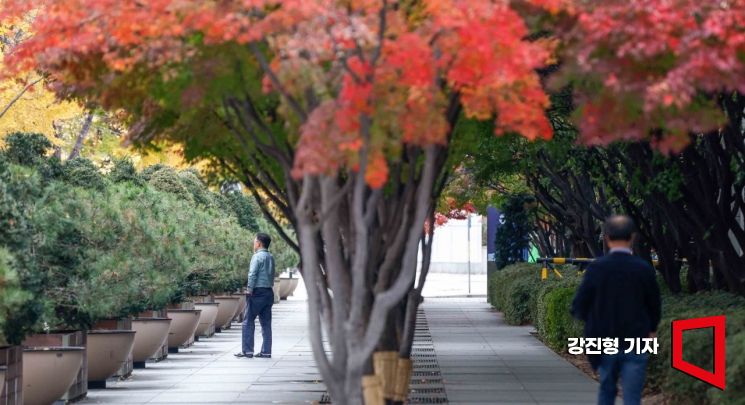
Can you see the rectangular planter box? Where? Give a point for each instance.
(79, 388)
(119, 324)
(12, 358)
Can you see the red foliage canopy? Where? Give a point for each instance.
(384, 71)
(654, 66)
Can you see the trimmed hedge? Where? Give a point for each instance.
(698, 349)
(519, 293)
(558, 322)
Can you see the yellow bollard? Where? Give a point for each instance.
(544, 273)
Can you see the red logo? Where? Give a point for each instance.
(717, 378)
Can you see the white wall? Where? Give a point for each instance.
(450, 253)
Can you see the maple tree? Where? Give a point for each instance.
(652, 69)
(341, 113)
(667, 72)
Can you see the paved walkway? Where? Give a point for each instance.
(208, 373)
(481, 360)
(485, 361)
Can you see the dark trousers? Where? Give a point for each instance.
(631, 368)
(259, 303)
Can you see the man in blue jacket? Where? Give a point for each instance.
(619, 298)
(259, 299)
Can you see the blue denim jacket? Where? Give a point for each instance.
(261, 271)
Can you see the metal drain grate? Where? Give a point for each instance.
(425, 373)
(429, 366)
(438, 390)
(426, 385)
(427, 400)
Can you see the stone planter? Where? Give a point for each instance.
(75, 338)
(206, 325)
(284, 288)
(48, 372)
(241, 307)
(225, 311)
(151, 336)
(118, 324)
(287, 286)
(11, 360)
(184, 323)
(162, 353)
(108, 351)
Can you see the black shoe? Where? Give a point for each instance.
(246, 355)
(263, 355)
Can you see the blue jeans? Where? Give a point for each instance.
(631, 368)
(259, 303)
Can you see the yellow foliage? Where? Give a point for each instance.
(35, 111)
(38, 110)
(170, 155)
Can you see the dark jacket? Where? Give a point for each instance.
(618, 298)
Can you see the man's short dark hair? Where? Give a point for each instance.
(264, 239)
(619, 227)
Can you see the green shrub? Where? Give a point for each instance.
(81, 247)
(538, 305)
(148, 172)
(20, 189)
(698, 349)
(517, 301)
(27, 149)
(13, 296)
(558, 322)
(735, 391)
(199, 192)
(245, 210)
(124, 171)
(82, 172)
(517, 289)
(166, 179)
(501, 281)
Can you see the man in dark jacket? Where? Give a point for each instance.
(619, 298)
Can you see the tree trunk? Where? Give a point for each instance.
(75, 152)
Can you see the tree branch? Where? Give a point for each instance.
(19, 95)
